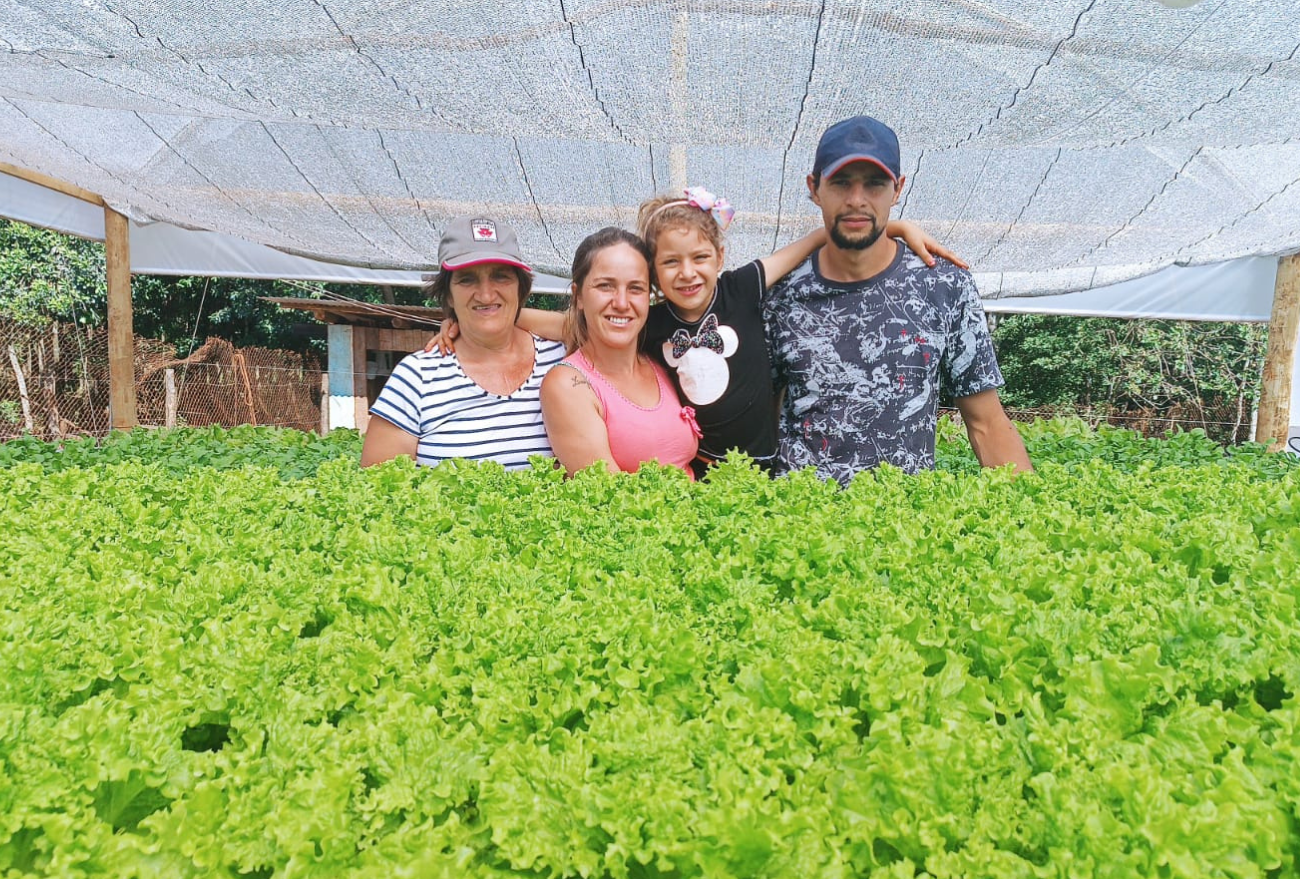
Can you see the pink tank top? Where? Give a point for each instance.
(667, 433)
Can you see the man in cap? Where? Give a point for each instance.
(864, 334)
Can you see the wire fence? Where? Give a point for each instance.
(1226, 424)
(54, 383)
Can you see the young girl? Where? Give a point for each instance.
(708, 332)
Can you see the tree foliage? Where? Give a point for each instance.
(1207, 373)
(46, 276)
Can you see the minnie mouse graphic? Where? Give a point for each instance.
(701, 360)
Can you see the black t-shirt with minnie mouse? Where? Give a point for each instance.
(722, 366)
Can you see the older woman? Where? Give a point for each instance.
(607, 401)
(481, 401)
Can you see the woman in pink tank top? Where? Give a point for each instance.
(612, 403)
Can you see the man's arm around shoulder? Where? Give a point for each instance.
(993, 437)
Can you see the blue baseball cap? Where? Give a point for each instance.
(859, 139)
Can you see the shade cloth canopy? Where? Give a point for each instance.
(1058, 144)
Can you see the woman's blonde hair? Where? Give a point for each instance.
(575, 322)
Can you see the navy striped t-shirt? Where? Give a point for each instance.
(431, 398)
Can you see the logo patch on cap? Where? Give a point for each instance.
(484, 230)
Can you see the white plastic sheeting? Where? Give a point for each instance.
(1240, 290)
(1059, 144)
(38, 206)
(164, 249)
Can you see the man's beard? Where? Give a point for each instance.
(844, 242)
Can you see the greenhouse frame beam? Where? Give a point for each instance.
(48, 182)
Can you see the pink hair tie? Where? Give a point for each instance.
(699, 197)
(721, 209)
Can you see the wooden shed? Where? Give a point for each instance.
(366, 340)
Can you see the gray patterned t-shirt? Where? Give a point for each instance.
(862, 363)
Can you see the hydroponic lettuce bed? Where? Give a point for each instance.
(214, 668)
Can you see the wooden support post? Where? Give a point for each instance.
(121, 330)
(169, 398)
(324, 403)
(241, 370)
(362, 343)
(49, 393)
(1279, 358)
(22, 390)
